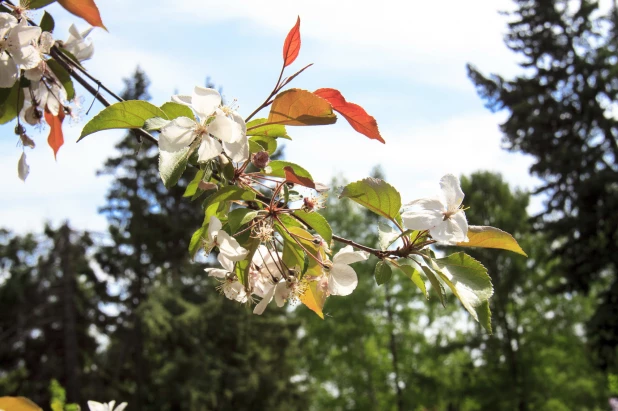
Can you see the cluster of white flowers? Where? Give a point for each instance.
(442, 215)
(216, 129)
(270, 279)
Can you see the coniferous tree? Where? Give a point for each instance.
(560, 112)
(179, 345)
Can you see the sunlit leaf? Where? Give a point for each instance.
(174, 110)
(125, 114)
(317, 222)
(383, 272)
(194, 184)
(268, 144)
(254, 128)
(414, 275)
(18, 404)
(55, 138)
(172, 165)
(86, 9)
(291, 46)
(296, 107)
(314, 298)
(292, 254)
(435, 283)
(276, 168)
(376, 195)
(491, 237)
(386, 235)
(239, 217)
(230, 193)
(355, 114)
(37, 4)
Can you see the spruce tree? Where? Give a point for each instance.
(560, 114)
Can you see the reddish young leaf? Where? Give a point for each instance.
(292, 177)
(355, 114)
(55, 139)
(296, 107)
(86, 9)
(291, 47)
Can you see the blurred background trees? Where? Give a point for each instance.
(126, 315)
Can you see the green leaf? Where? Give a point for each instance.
(239, 217)
(289, 221)
(172, 165)
(229, 193)
(242, 267)
(194, 184)
(387, 235)
(268, 144)
(37, 4)
(269, 130)
(292, 254)
(126, 114)
(376, 195)
(435, 283)
(47, 22)
(468, 279)
(277, 166)
(254, 147)
(491, 237)
(416, 278)
(174, 110)
(383, 272)
(197, 240)
(63, 76)
(485, 316)
(317, 222)
(13, 102)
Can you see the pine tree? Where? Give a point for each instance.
(179, 345)
(560, 114)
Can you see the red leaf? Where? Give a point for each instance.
(55, 139)
(355, 114)
(291, 177)
(291, 47)
(86, 9)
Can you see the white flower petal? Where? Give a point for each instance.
(22, 35)
(8, 71)
(423, 214)
(261, 306)
(216, 272)
(35, 74)
(46, 42)
(121, 406)
(7, 21)
(282, 292)
(185, 100)
(97, 406)
(209, 148)
(23, 169)
(451, 190)
(178, 134)
(342, 280)
(240, 121)
(451, 231)
(223, 128)
(239, 151)
(205, 101)
(214, 226)
(229, 247)
(225, 262)
(347, 255)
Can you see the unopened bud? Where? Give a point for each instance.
(26, 141)
(19, 129)
(260, 159)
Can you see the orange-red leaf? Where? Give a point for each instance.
(291, 47)
(355, 114)
(86, 9)
(296, 107)
(292, 177)
(314, 298)
(55, 139)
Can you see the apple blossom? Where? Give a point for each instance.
(17, 48)
(342, 279)
(213, 125)
(77, 45)
(443, 216)
(229, 249)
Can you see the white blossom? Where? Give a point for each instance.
(42, 47)
(213, 124)
(17, 48)
(97, 406)
(229, 249)
(23, 169)
(342, 279)
(443, 215)
(77, 44)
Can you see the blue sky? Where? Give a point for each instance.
(403, 62)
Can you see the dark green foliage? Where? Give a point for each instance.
(559, 112)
